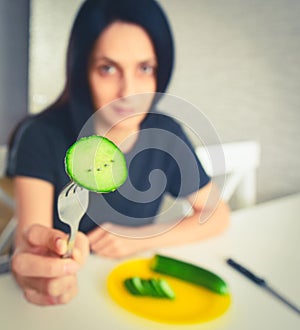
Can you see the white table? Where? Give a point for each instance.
(265, 238)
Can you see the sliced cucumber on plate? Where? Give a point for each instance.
(151, 287)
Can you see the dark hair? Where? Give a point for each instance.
(93, 17)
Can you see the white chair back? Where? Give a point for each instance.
(241, 162)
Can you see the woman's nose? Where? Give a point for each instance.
(127, 85)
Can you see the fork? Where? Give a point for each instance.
(71, 205)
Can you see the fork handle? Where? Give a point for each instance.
(69, 252)
(71, 242)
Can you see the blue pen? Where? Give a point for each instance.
(261, 282)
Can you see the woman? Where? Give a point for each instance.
(117, 49)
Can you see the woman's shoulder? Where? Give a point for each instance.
(55, 116)
(49, 125)
(51, 120)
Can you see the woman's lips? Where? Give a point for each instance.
(123, 111)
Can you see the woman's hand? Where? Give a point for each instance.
(45, 277)
(115, 241)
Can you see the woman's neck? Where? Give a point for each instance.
(124, 137)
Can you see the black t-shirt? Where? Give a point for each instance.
(162, 161)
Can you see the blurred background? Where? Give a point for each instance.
(237, 61)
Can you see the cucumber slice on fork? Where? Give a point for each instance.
(96, 163)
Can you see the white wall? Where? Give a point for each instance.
(240, 64)
(50, 25)
(238, 61)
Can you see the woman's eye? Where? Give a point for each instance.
(147, 69)
(107, 69)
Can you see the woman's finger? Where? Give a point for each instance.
(31, 265)
(111, 247)
(53, 287)
(52, 239)
(82, 248)
(102, 242)
(96, 234)
(43, 299)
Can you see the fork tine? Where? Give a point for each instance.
(66, 188)
(70, 188)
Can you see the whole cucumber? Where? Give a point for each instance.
(190, 273)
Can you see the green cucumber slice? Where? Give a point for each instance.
(130, 287)
(165, 288)
(190, 273)
(138, 285)
(96, 163)
(149, 289)
(155, 288)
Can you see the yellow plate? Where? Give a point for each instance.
(193, 304)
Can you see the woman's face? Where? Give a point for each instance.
(123, 63)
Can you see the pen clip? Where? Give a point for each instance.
(258, 280)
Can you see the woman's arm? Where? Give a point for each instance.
(210, 217)
(34, 204)
(44, 277)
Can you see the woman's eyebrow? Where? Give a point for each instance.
(104, 58)
(114, 62)
(150, 60)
